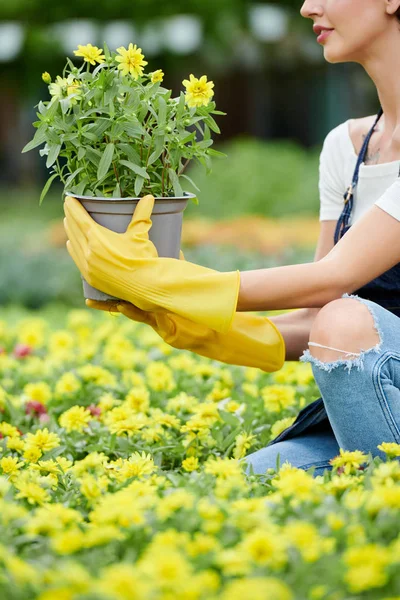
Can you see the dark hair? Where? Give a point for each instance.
(397, 13)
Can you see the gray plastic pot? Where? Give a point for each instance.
(116, 214)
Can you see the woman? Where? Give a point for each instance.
(354, 340)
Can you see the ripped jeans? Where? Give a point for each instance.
(361, 396)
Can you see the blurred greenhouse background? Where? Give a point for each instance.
(259, 207)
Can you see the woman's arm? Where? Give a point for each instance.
(295, 326)
(369, 248)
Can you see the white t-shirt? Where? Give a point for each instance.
(377, 184)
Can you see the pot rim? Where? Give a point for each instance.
(186, 196)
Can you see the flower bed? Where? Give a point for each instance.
(121, 477)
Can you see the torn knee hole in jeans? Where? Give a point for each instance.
(356, 358)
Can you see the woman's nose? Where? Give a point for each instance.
(311, 8)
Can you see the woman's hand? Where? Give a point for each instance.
(126, 265)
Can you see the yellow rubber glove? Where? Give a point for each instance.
(252, 341)
(126, 265)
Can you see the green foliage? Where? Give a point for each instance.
(44, 11)
(273, 179)
(113, 134)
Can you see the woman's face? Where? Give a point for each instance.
(356, 24)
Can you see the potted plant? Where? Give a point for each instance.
(112, 134)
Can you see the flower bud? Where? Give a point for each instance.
(46, 77)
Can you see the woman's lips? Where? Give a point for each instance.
(323, 35)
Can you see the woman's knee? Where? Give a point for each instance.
(345, 324)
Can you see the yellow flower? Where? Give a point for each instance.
(69, 541)
(304, 536)
(6, 429)
(366, 567)
(198, 91)
(157, 76)
(67, 384)
(278, 397)
(92, 487)
(223, 467)
(10, 465)
(265, 548)
(15, 443)
(43, 439)
(350, 461)
(39, 391)
(190, 464)
(46, 77)
(295, 482)
(32, 492)
(123, 581)
(281, 425)
(160, 377)
(257, 588)
(90, 54)
(243, 443)
(75, 418)
(138, 465)
(391, 449)
(60, 341)
(131, 60)
(32, 454)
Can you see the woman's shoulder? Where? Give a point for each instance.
(358, 129)
(347, 137)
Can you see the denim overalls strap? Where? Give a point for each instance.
(384, 289)
(348, 196)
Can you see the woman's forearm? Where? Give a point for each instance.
(369, 248)
(309, 285)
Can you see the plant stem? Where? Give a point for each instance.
(117, 178)
(184, 167)
(162, 175)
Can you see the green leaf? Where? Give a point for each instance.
(93, 155)
(133, 129)
(54, 151)
(158, 148)
(138, 185)
(190, 181)
(181, 106)
(39, 138)
(81, 152)
(162, 111)
(229, 418)
(130, 152)
(216, 153)
(52, 108)
(106, 51)
(175, 182)
(135, 168)
(90, 136)
(47, 187)
(212, 124)
(105, 161)
(72, 177)
(99, 127)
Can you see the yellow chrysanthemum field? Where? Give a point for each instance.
(122, 477)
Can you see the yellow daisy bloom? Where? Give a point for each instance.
(198, 91)
(157, 76)
(131, 60)
(90, 54)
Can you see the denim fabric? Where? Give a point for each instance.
(359, 408)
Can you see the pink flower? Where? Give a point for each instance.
(44, 418)
(94, 410)
(34, 407)
(22, 350)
